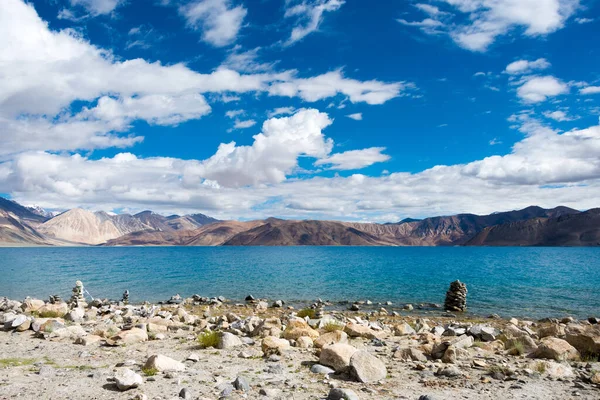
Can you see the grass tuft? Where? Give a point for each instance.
(540, 367)
(50, 314)
(16, 362)
(333, 326)
(149, 371)
(307, 312)
(208, 339)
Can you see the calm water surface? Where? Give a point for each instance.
(532, 282)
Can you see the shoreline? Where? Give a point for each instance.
(272, 352)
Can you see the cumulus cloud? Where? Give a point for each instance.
(476, 24)
(355, 116)
(549, 166)
(539, 88)
(42, 72)
(525, 66)
(309, 15)
(219, 20)
(274, 153)
(354, 159)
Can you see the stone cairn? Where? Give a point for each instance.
(78, 298)
(125, 299)
(55, 299)
(456, 297)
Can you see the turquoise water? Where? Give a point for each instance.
(532, 282)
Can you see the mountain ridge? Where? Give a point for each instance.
(529, 226)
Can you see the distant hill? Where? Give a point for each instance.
(582, 229)
(276, 232)
(531, 226)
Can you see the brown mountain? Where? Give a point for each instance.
(210, 235)
(277, 232)
(582, 229)
(530, 226)
(452, 230)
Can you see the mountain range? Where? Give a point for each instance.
(532, 226)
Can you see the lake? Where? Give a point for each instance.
(513, 281)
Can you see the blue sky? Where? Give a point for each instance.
(411, 108)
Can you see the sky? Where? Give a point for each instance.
(308, 109)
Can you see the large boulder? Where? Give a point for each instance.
(297, 327)
(30, 305)
(228, 341)
(403, 329)
(555, 330)
(131, 336)
(337, 356)
(410, 354)
(330, 338)
(126, 379)
(587, 341)
(357, 330)
(556, 349)
(268, 327)
(274, 345)
(163, 363)
(366, 367)
(56, 310)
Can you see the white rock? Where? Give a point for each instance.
(163, 363)
(127, 379)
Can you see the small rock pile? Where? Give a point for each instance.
(78, 298)
(456, 297)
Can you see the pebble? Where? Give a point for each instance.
(185, 394)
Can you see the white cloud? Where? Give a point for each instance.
(333, 83)
(355, 116)
(246, 61)
(559, 115)
(98, 7)
(239, 124)
(495, 141)
(429, 9)
(584, 20)
(309, 15)
(234, 113)
(274, 153)
(524, 66)
(354, 159)
(42, 72)
(538, 88)
(590, 90)
(219, 21)
(155, 109)
(281, 111)
(486, 20)
(548, 166)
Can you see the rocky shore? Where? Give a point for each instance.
(210, 348)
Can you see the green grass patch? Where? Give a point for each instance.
(208, 339)
(518, 348)
(149, 371)
(50, 314)
(540, 367)
(307, 312)
(333, 326)
(16, 362)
